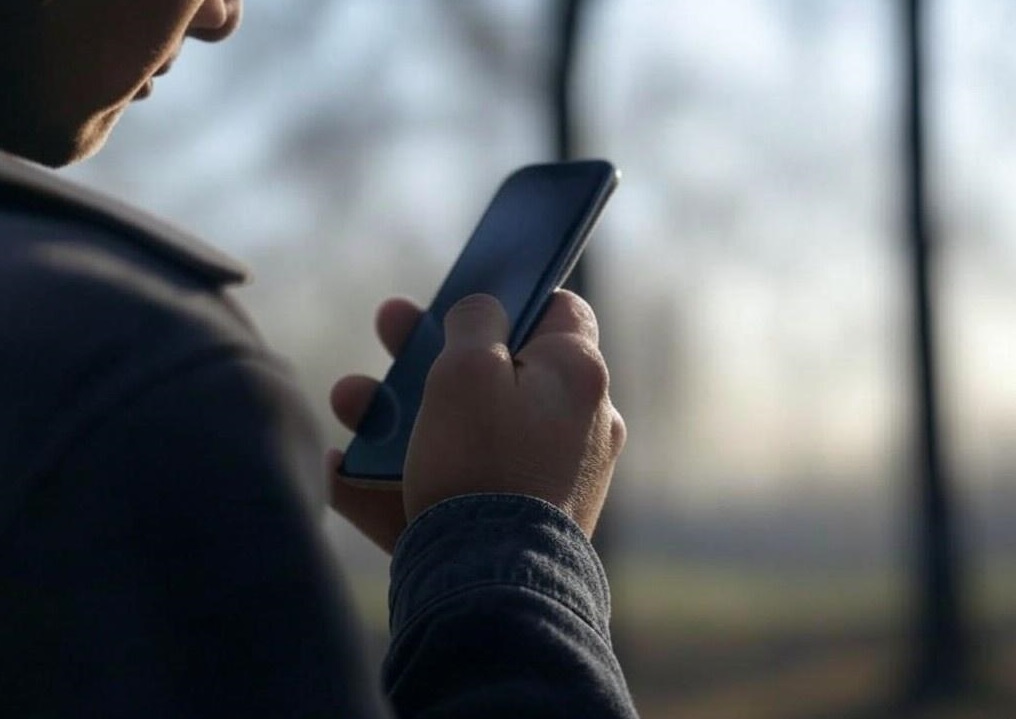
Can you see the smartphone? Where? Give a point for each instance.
(525, 246)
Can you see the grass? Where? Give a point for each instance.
(708, 642)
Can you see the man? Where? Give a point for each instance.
(156, 556)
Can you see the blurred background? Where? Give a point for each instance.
(752, 278)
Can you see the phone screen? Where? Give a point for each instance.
(526, 244)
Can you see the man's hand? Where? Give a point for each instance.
(540, 424)
(378, 513)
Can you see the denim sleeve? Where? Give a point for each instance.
(500, 608)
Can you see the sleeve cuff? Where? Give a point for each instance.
(496, 539)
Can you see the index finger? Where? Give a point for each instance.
(567, 313)
(394, 322)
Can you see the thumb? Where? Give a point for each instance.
(378, 513)
(475, 321)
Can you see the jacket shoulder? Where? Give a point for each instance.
(25, 188)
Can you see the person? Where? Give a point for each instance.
(158, 556)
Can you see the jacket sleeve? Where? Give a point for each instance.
(500, 608)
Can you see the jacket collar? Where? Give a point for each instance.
(155, 233)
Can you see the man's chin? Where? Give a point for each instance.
(54, 155)
(40, 151)
(82, 149)
(91, 138)
(59, 147)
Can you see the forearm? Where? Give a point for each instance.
(500, 608)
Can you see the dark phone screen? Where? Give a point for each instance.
(521, 240)
(526, 239)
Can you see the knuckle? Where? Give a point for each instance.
(589, 369)
(578, 362)
(618, 431)
(579, 313)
